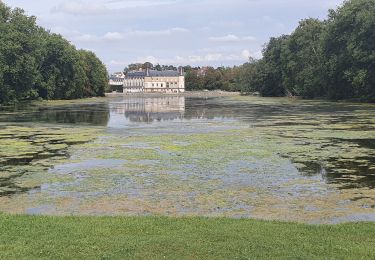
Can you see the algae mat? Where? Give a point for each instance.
(240, 157)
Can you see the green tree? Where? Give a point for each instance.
(303, 60)
(35, 63)
(213, 80)
(251, 76)
(350, 50)
(192, 80)
(19, 54)
(62, 72)
(96, 74)
(271, 68)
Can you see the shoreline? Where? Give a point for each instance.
(215, 93)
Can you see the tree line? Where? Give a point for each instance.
(148, 65)
(333, 59)
(199, 78)
(35, 63)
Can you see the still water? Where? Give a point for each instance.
(275, 158)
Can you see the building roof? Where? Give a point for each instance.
(136, 74)
(114, 78)
(164, 73)
(152, 73)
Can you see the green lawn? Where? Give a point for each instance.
(31, 237)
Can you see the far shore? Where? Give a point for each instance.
(214, 93)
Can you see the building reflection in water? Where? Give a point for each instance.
(146, 110)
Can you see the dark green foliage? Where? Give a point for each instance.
(349, 48)
(271, 68)
(96, 74)
(213, 79)
(36, 63)
(250, 76)
(302, 58)
(19, 54)
(209, 78)
(192, 80)
(265, 76)
(331, 59)
(148, 65)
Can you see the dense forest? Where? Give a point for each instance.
(35, 63)
(334, 59)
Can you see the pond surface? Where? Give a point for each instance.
(275, 158)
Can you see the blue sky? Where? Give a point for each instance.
(179, 32)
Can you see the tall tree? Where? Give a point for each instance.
(271, 67)
(350, 50)
(36, 63)
(96, 74)
(19, 54)
(303, 61)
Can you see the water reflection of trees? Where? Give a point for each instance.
(93, 114)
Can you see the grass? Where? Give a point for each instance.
(30, 237)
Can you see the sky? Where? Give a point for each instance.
(178, 32)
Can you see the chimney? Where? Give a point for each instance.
(181, 70)
(147, 72)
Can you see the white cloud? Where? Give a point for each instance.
(86, 38)
(113, 36)
(117, 36)
(80, 8)
(213, 57)
(232, 38)
(151, 59)
(98, 7)
(158, 32)
(246, 54)
(109, 36)
(208, 58)
(116, 4)
(249, 38)
(117, 63)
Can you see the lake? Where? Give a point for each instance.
(228, 156)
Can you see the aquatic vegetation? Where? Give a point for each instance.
(26, 154)
(305, 161)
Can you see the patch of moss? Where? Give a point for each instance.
(28, 152)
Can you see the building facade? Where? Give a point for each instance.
(134, 82)
(153, 81)
(116, 79)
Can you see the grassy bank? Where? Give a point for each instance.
(153, 237)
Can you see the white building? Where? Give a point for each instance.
(134, 82)
(117, 79)
(153, 81)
